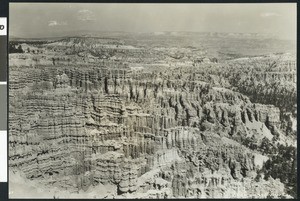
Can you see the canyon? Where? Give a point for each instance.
(101, 117)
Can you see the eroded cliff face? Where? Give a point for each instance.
(82, 125)
(149, 137)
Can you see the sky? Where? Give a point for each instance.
(54, 19)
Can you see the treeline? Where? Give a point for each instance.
(243, 78)
(265, 145)
(282, 165)
(280, 94)
(12, 48)
(32, 42)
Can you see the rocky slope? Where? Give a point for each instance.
(152, 133)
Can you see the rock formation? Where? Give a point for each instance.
(160, 133)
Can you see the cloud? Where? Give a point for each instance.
(56, 23)
(86, 15)
(269, 14)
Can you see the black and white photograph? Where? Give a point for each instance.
(152, 100)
